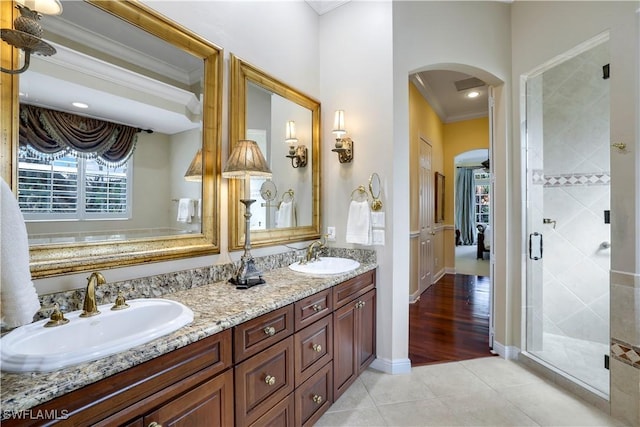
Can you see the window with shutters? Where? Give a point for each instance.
(72, 188)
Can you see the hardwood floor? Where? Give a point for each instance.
(450, 321)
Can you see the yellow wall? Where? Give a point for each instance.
(459, 137)
(423, 123)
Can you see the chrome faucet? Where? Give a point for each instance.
(90, 308)
(313, 248)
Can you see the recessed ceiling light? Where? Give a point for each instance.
(473, 94)
(80, 105)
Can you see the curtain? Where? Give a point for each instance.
(465, 188)
(52, 134)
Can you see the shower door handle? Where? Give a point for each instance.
(535, 246)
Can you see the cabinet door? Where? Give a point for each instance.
(344, 348)
(366, 330)
(354, 341)
(208, 405)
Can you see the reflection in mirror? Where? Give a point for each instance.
(151, 78)
(283, 122)
(267, 117)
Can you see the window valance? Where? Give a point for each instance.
(53, 134)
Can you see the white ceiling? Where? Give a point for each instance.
(439, 89)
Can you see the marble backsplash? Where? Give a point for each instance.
(163, 284)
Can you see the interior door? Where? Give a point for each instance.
(426, 216)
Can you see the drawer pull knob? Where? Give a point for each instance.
(270, 330)
(317, 399)
(360, 304)
(155, 424)
(317, 348)
(316, 307)
(269, 380)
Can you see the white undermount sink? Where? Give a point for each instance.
(326, 265)
(34, 348)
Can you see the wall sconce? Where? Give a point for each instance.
(194, 172)
(28, 32)
(344, 145)
(297, 153)
(246, 160)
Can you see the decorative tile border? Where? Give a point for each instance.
(570, 179)
(625, 353)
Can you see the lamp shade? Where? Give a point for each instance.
(290, 132)
(194, 172)
(338, 123)
(246, 160)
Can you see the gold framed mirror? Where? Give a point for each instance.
(115, 247)
(262, 108)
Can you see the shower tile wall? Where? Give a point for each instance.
(576, 194)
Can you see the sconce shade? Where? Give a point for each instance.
(338, 123)
(246, 160)
(290, 133)
(46, 7)
(194, 172)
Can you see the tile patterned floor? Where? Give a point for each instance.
(480, 392)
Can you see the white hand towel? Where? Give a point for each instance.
(286, 215)
(185, 210)
(18, 297)
(359, 223)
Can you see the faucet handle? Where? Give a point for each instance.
(57, 318)
(120, 304)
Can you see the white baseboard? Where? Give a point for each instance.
(450, 270)
(506, 352)
(439, 275)
(394, 367)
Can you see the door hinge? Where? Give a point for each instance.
(606, 361)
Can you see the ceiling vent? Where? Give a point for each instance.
(468, 83)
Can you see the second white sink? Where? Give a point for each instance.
(326, 265)
(34, 348)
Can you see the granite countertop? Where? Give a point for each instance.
(216, 307)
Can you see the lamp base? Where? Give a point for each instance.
(248, 274)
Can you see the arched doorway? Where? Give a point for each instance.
(438, 128)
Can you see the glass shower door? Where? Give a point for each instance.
(567, 237)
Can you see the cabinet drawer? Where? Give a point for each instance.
(312, 308)
(209, 404)
(313, 348)
(314, 397)
(279, 415)
(257, 334)
(353, 288)
(263, 380)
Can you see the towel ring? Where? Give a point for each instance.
(375, 188)
(289, 193)
(360, 191)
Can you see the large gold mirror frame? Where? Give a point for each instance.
(242, 74)
(49, 260)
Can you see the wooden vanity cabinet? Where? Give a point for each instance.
(127, 397)
(354, 324)
(283, 368)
